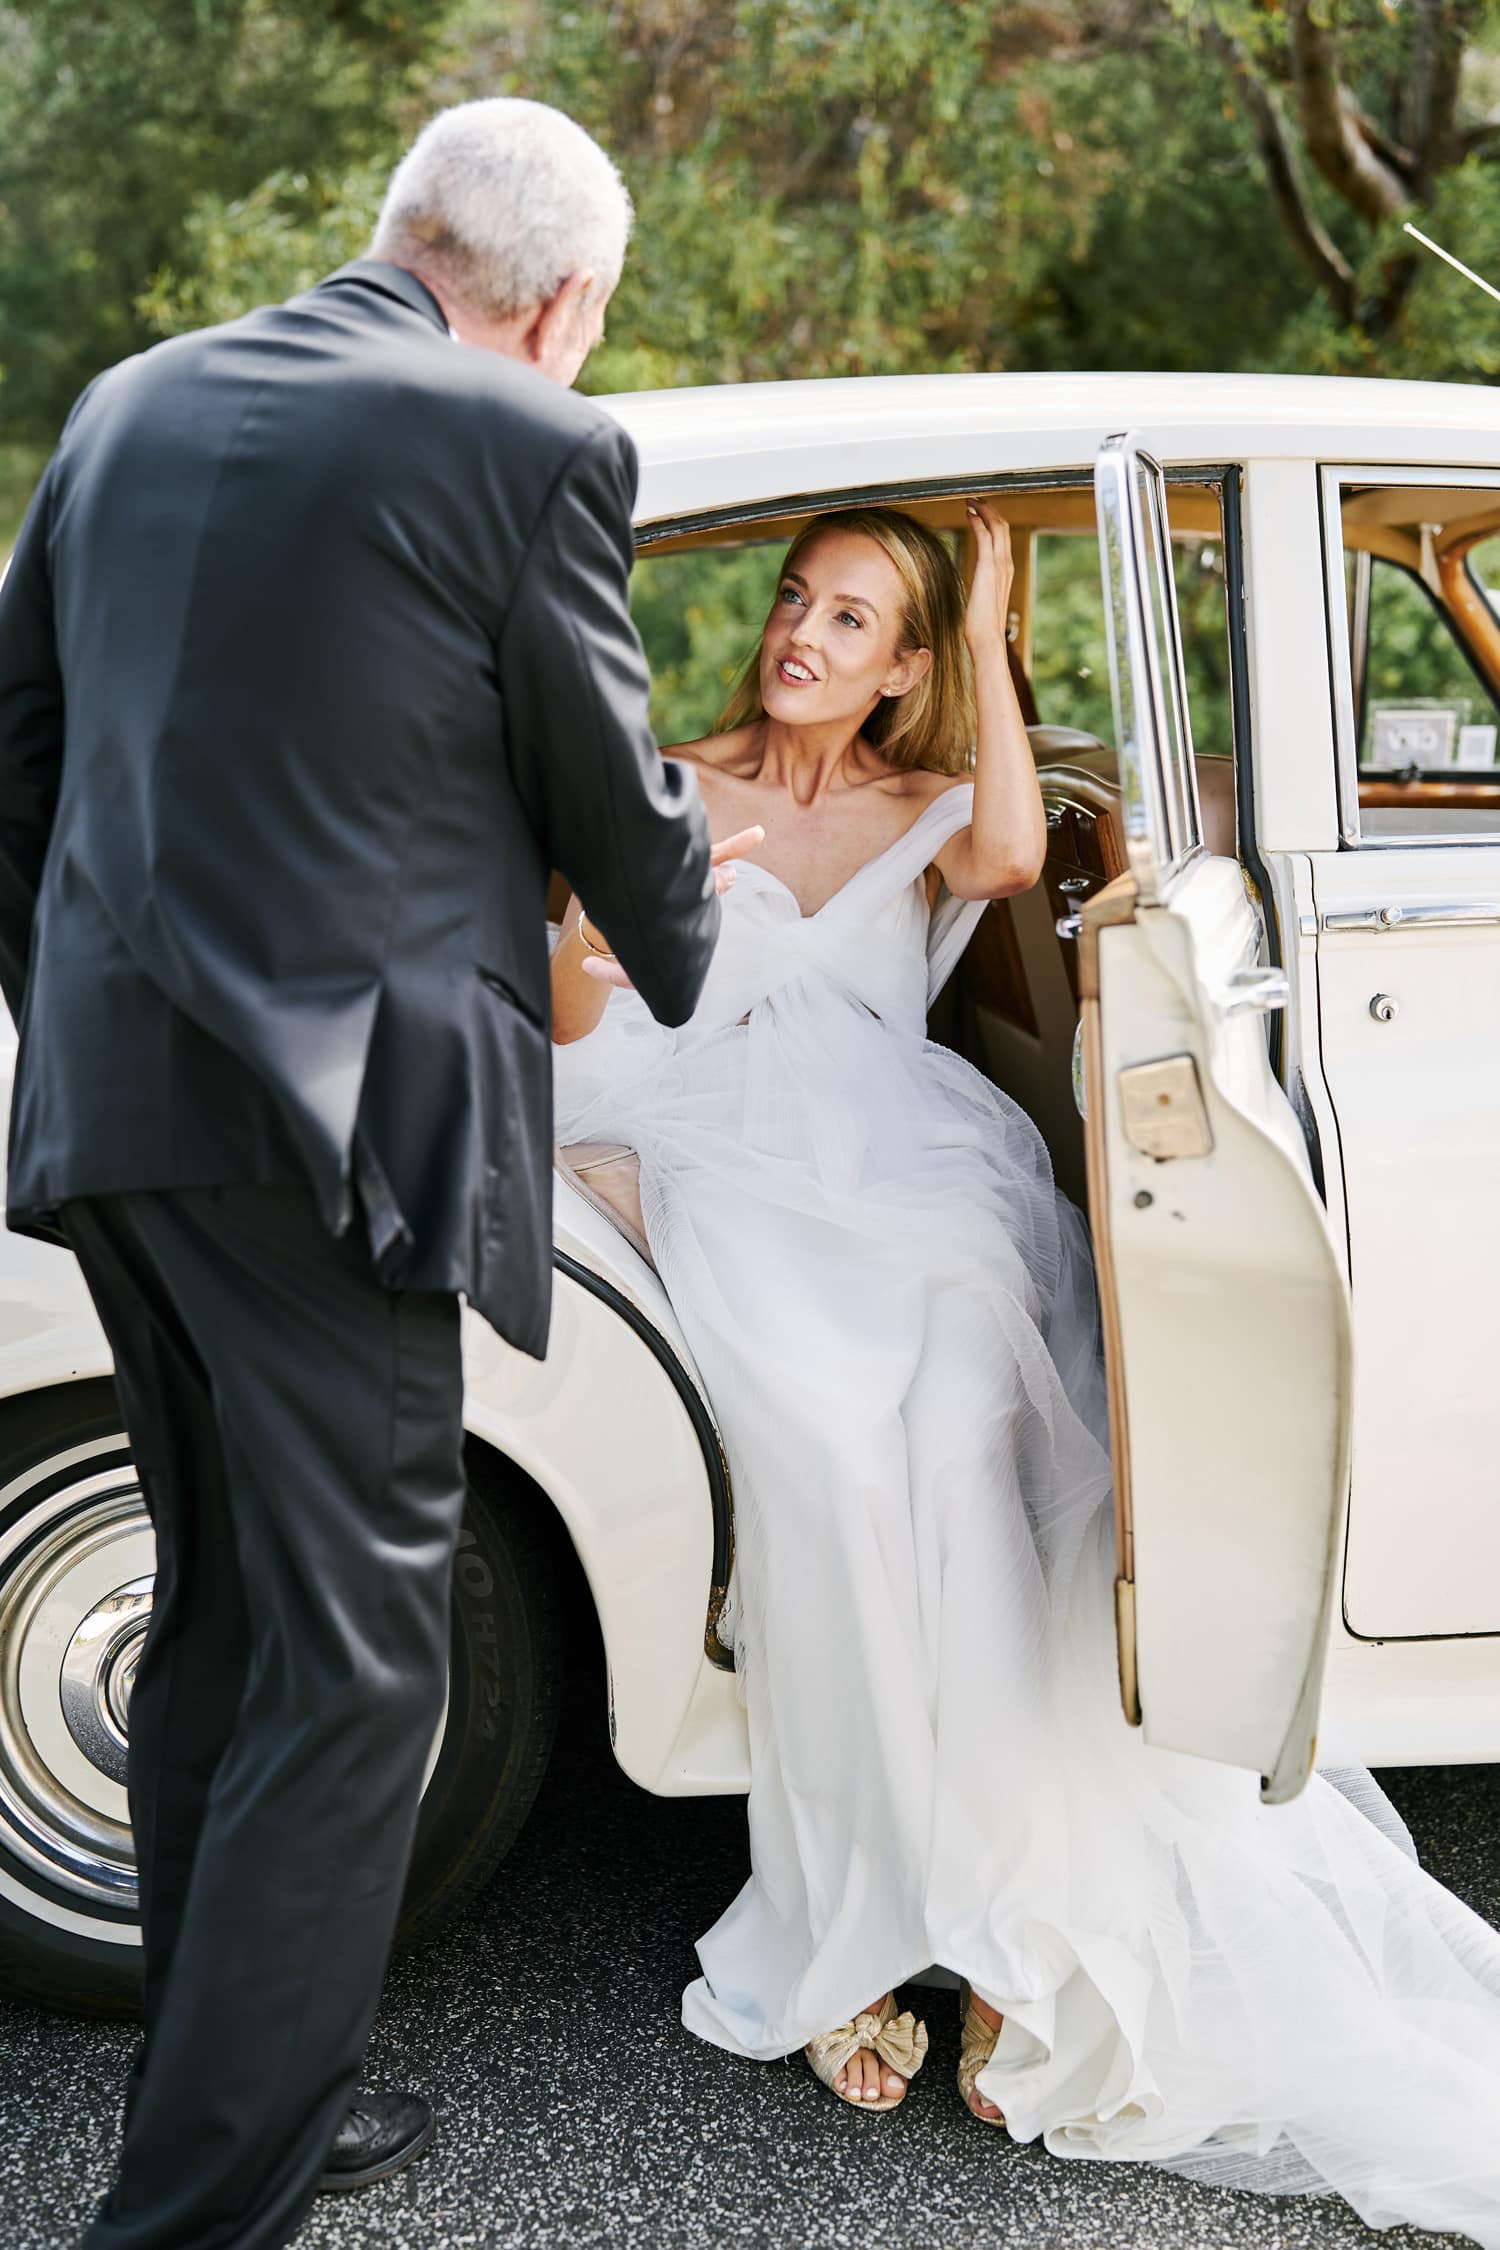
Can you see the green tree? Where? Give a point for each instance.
(124, 127)
(1366, 117)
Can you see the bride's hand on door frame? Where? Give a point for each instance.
(987, 615)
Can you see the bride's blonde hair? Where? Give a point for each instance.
(932, 724)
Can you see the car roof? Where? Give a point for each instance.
(731, 443)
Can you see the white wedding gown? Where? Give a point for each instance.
(891, 1308)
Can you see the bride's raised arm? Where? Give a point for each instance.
(1002, 851)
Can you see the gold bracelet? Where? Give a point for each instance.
(601, 952)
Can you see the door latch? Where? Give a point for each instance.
(1254, 992)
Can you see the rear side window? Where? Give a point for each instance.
(1415, 631)
(1069, 663)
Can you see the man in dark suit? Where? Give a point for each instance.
(314, 659)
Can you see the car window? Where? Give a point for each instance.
(1424, 707)
(1069, 660)
(1415, 643)
(1483, 564)
(699, 615)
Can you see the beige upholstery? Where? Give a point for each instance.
(1061, 750)
(608, 1176)
(1216, 803)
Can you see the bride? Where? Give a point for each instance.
(891, 1308)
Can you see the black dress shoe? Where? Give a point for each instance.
(380, 2134)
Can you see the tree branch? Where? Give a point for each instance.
(1339, 150)
(1401, 159)
(1320, 254)
(1437, 61)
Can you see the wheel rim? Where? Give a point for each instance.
(77, 1557)
(77, 1563)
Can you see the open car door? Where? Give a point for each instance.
(1226, 1311)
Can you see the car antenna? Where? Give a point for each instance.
(1448, 259)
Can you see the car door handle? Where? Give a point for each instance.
(1466, 917)
(1254, 992)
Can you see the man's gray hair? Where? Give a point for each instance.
(502, 200)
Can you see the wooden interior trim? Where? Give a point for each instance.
(1478, 626)
(1109, 1310)
(1390, 545)
(1062, 507)
(1115, 903)
(1476, 795)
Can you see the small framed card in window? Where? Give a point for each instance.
(1476, 748)
(1414, 736)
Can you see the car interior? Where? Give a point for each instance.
(1422, 573)
(1425, 657)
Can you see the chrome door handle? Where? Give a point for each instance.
(1380, 918)
(1075, 886)
(1069, 925)
(1254, 992)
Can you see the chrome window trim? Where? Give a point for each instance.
(1332, 478)
(1160, 813)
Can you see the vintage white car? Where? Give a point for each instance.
(1264, 957)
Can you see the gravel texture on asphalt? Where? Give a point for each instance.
(575, 2112)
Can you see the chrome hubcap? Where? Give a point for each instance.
(98, 1673)
(76, 1565)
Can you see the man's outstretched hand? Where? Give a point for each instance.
(720, 858)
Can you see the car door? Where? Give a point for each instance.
(1225, 1309)
(1408, 943)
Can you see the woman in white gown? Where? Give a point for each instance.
(891, 1308)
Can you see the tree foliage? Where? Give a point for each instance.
(824, 186)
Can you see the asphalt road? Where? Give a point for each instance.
(575, 2112)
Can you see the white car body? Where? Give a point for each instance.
(613, 1428)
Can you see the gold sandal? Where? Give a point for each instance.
(978, 2046)
(899, 2041)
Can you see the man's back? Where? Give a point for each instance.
(315, 656)
(315, 772)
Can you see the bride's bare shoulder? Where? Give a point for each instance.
(730, 753)
(923, 786)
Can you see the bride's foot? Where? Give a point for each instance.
(981, 2028)
(870, 2062)
(865, 2078)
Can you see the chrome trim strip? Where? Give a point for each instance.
(1340, 656)
(1121, 564)
(1158, 781)
(1387, 918)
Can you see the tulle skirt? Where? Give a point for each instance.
(893, 1312)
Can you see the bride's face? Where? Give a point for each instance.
(830, 650)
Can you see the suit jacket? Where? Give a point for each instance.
(315, 658)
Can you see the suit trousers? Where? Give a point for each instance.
(298, 1430)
